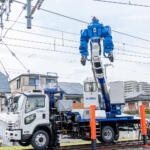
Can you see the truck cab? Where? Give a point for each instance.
(34, 122)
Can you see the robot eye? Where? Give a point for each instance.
(94, 30)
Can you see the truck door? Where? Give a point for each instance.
(90, 94)
(36, 112)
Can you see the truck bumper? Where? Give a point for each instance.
(13, 135)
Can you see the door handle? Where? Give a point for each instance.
(43, 116)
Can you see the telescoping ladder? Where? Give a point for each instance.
(98, 72)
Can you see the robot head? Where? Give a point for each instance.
(94, 19)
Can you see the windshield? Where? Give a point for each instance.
(18, 104)
(90, 87)
(34, 102)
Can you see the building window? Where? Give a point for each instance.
(33, 81)
(18, 83)
(50, 81)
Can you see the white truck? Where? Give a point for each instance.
(40, 117)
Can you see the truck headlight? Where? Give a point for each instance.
(29, 119)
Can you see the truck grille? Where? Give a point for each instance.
(10, 125)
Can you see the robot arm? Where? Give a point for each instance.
(108, 43)
(84, 46)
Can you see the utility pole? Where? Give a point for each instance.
(29, 18)
(31, 10)
(5, 6)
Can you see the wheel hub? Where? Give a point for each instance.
(40, 139)
(108, 134)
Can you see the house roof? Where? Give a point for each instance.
(71, 88)
(137, 97)
(4, 85)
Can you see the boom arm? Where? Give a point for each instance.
(98, 72)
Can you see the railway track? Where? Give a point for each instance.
(114, 146)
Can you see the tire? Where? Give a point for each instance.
(40, 140)
(116, 137)
(24, 143)
(100, 139)
(52, 140)
(108, 134)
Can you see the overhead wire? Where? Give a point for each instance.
(40, 42)
(73, 33)
(78, 21)
(37, 48)
(132, 45)
(65, 52)
(74, 47)
(69, 40)
(131, 51)
(44, 35)
(14, 55)
(127, 54)
(48, 28)
(123, 3)
(85, 22)
(14, 22)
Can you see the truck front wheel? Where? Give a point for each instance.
(40, 140)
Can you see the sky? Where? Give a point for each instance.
(131, 63)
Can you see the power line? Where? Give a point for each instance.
(65, 52)
(48, 28)
(137, 62)
(131, 55)
(129, 51)
(69, 40)
(72, 33)
(132, 45)
(58, 14)
(77, 34)
(132, 36)
(122, 3)
(14, 55)
(75, 47)
(85, 22)
(14, 21)
(42, 49)
(39, 42)
(125, 52)
(44, 35)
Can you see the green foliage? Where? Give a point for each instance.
(129, 112)
(147, 110)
